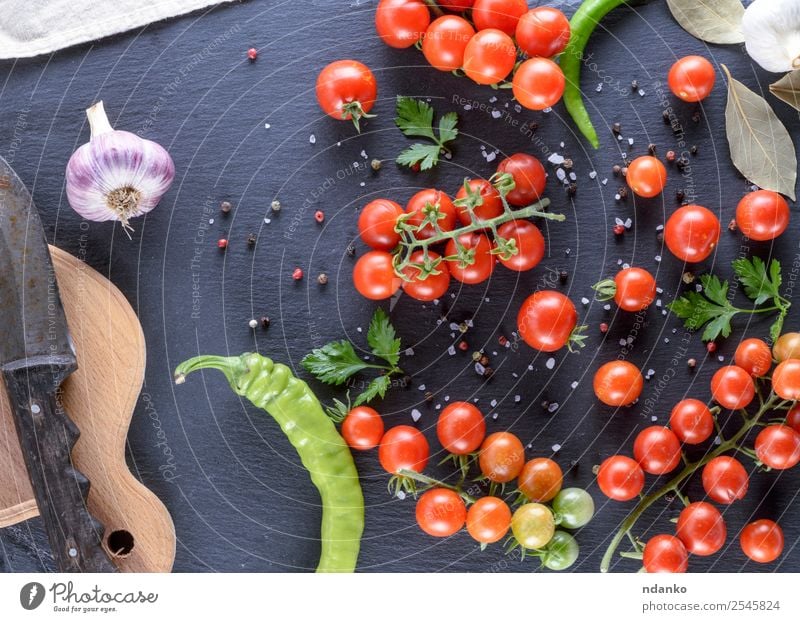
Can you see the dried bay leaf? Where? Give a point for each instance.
(788, 89)
(715, 21)
(760, 145)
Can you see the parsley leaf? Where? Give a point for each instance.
(334, 362)
(415, 118)
(382, 338)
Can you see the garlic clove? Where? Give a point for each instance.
(772, 34)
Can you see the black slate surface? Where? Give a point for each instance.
(239, 498)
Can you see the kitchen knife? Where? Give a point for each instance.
(36, 356)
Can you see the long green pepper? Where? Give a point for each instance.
(582, 25)
(273, 388)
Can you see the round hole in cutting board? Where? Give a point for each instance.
(120, 542)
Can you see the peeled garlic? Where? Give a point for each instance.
(772, 34)
(117, 175)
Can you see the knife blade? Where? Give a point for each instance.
(36, 356)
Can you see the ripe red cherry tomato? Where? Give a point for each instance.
(692, 233)
(403, 447)
(725, 479)
(692, 421)
(376, 224)
(441, 512)
(486, 201)
(489, 56)
(433, 286)
(529, 178)
(483, 265)
(664, 553)
(500, 14)
(445, 42)
(793, 418)
(762, 541)
(540, 480)
(538, 83)
(346, 89)
(425, 200)
(374, 276)
(620, 478)
(657, 449)
(732, 387)
(753, 356)
(701, 528)
(501, 457)
(543, 31)
(461, 428)
(691, 78)
(646, 176)
(529, 241)
(786, 379)
(762, 215)
(618, 383)
(362, 428)
(546, 320)
(635, 289)
(488, 520)
(778, 446)
(401, 23)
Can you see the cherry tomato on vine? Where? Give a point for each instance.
(445, 42)
(501, 457)
(533, 525)
(793, 418)
(540, 480)
(618, 383)
(692, 421)
(561, 552)
(489, 56)
(441, 512)
(691, 78)
(732, 387)
(538, 83)
(487, 198)
(574, 506)
(762, 541)
(500, 14)
(426, 199)
(762, 215)
(483, 264)
(488, 520)
(657, 449)
(346, 90)
(635, 289)
(725, 479)
(529, 242)
(543, 31)
(376, 224)
(433, 286)
(787, 347)
(401, 23)
(646, 176)
(692, 233)
(546, 320)
(374, 277)
(778, 447)
(461, 428)
(753, 356)
(403, 447)
(457, 6)
(620, 478)
(701, 528)
(665, 553)
(362, 428)
(529, 176)
(786, 379)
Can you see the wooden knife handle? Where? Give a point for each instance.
(47, 436)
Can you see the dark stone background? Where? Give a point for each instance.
(239, 498)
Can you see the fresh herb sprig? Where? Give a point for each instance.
(415, 119)
(712, 307)
(336, 362)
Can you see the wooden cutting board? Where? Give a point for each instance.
(100, 398)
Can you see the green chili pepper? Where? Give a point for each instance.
(582, 24)
(273, 388)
